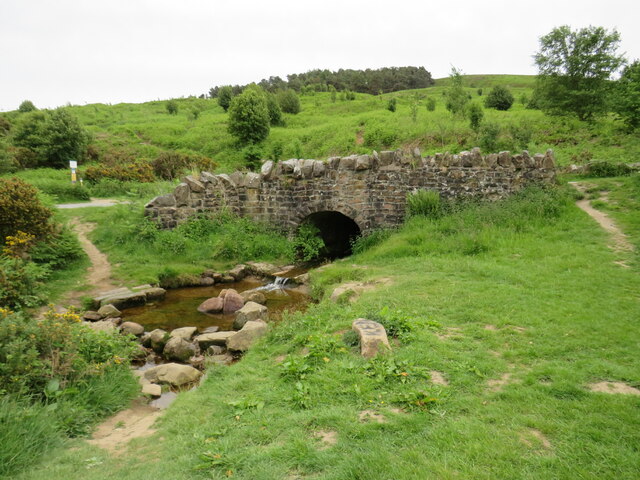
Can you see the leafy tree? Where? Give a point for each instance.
(26, 106)
(172, 107)
(225, 94)
(456, 97)
(54, 137)
(275, 112)
(574, 68)
(627, 103)
(289, 101)
(476, 116)
(249, 116)
(499, 98)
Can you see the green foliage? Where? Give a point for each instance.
(253, 155)
(500, 98)
(391, 104)
(130, 172)
(289, 101)
(365, 242)
(57, 250)
(627, 101)
(53, 137)
(26, 106)
(275, 112)
(424, 203)
(574, 70)
(249, 116)
(489, 134)
(476, 115)
(21, 282)
(608, 169)
(397, 323)
(225, 94)
(430, 104)
(308, 243)
(170, 165)
(21, 210)
(456, 97)
(172, 107)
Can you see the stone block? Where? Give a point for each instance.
(250, 311)
(217, 338)
(245, 338)
(182, 193)
(125, 300)
(373, 337)
(194, 185)
(253, 180)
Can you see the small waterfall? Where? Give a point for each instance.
(278, 284)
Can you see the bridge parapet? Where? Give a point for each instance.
(370, 189)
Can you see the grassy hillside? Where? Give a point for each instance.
(324, 128)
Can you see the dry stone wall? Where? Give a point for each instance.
(370, 189)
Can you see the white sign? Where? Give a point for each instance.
(73, 164)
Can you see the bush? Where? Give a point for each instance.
(499, 98)
(172, 107)
(476, 115)
(26, 106)
(391, 104)
(489, 134)
(225, 94)
(131, 172)
(431, 104)
(308, 243)
(57, 250)
(22, 210)
(252, 155)
(289, 101)
(275, 112)
(608, 169)
(377, 136)
(425, 203)
(249, 116)
(170, 165)
(20, 282)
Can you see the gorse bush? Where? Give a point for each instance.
(22, 210)
(131, 172)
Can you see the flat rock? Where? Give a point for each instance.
(373, 337)
(91, 316)
(212, 305)
(213, 329)
(263, 269)
(132, 328)
(218, 338)
(154, 293)
(103, 325)
(250, 311)
(125, 300)
(186, 333)
(109, 311)
(224, 359)
(152, 389)
(172, 374)
(251, 331)
(239, 272)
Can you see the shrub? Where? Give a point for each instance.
(608, 169)
(170, 165)
(131, 172)
(489, 134)
(172, 107)
(289, 101)
(431, 104)
(308, 243)
(425, 203)
(457, 98)
(476, 115)
(391, 104)
(20, 282)
(57, 250)
(275, 112)
(378, 136)
(499, 98)
(249, 116)
(22, 210)
(225, 94)
(252, 155)
(26, 106)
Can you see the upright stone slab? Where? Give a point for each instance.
(373, 337)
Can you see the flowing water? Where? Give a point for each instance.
(179, 307)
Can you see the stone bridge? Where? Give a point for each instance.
(344, 196)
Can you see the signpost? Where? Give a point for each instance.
(73, 164)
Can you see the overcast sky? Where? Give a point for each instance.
(86, 51)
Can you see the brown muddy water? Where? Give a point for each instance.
(179, 307)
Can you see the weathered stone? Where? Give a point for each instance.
(157, 339)
(110, 293)
(91, 316)
(197, 361)
(103, 325)
(108, 311)
(250, 311)
(266, 169)
(373, 337)
(251, 331)
(253, 296)
(239, 272)
(152, 389)
(288, 165)
(132, 328)
(262, 269)
(116, 320)
(208, 177)
(173, 374)
(307, 168)
(140, 288)
(302, 279)
(504, 159)
(237, 178)
(318, 168)
(224, 359)
(154, 293)
(194, 185)
(363, 162)
(125, 300)
(348, 163)
(211, 305)
(178, 349)
(232, 302)
(227, 279)
(182, 193)
(386, 157)
(252, 180)
(207, 282)
(549, 160)
(215, 350)
(218, 338)
(167, 200)
(185, 333)
(212, 329)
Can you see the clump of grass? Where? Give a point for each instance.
(425, 203)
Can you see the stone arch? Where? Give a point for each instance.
(337, 229)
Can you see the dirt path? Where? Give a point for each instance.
(619, 241)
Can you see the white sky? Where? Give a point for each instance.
(87, 51)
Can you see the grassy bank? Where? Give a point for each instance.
(519, 306)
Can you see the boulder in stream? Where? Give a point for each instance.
(251, 331)
(179, 349)
(173, 374)
(132, 328)
(186, 333)
(250, 311)
(232, 302)
(211, 305)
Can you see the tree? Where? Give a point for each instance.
(26, 106)
(456, 97)
(476, 115)
(275, 112)
(172, 107)
(289, 101)
(627, 102)
(54, 137)
(225, 94)
(499, 98)
(574, 68)
(249, 116)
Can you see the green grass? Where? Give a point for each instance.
(562, 315)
